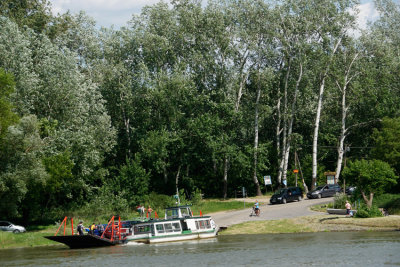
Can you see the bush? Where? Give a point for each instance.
(340, 201)
(390, 202)
(364, 212)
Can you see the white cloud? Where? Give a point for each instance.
(367, 13)
(105, 12)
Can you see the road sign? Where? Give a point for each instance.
(267, 180)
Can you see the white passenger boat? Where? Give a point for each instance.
(178, 224)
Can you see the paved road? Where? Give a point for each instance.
(269, 212)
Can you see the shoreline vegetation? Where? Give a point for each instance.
(306, 224)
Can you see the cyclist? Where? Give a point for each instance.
(257, 208)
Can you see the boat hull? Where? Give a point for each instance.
(84, 241)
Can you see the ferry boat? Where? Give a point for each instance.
(178, 224)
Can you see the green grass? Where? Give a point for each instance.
(267, 227)
(211, 206)
(28, 239)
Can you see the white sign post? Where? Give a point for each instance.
(267, 181)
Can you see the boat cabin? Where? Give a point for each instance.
(178, 212)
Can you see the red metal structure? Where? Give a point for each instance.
(114, 228)
(64, 222)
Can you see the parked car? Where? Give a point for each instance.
(286, 195)
(350, 190)
(10, 227)
(327, 190)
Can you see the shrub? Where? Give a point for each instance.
(390, 202)
(364, 212)
(340, 201)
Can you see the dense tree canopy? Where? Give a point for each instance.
(189, 97)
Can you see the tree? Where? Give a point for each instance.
(22, 174)
(371, 177)
(387, 143)
(35, 14)
(7, 116)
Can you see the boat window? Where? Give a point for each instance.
(184, 212)
(197, 225)
(141, 229)
(160, 228)
(202, 225)
(173, 213)
(208, 225)
(176, 227)
(168, 227)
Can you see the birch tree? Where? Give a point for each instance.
(334, 23)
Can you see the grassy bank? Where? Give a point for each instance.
(28, 239)
(317, 223)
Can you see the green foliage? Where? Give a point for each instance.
(368, 212)
(7, 116)
(339, 201)
(35, 14)
(370, 176)
(387, 143)
(390, 202)
(132, 182)
(24, 175)
(170, 101)
(159, 201)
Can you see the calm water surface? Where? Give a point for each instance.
(310, 249)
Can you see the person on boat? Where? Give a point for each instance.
(91, 229)
(140, 209)
(149, 211)
(257, 208)
(100, 228)
(79, 228)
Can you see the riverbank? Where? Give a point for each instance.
(315, 223)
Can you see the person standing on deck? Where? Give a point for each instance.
(79, 228)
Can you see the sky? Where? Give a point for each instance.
(119, 12)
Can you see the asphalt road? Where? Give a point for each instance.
(269, 212)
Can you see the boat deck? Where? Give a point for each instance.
(84, 241)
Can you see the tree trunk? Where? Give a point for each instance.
(226, 163)
(255, 179)
(165, 174)
(318, 117)
(282, 171)
(341, 138)
(343, 131)
(177, 179)
(278, 140)
(367, 200)
(290, 126)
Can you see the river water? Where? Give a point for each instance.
(305, 249)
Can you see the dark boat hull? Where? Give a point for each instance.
(84, 241)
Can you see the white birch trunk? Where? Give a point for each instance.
(318, 117)
(255, 180)
(282, 172)
(343, 130)
(290, 126)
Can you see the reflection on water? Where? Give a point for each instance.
(315, 249)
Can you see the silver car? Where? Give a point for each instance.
(9, 227)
